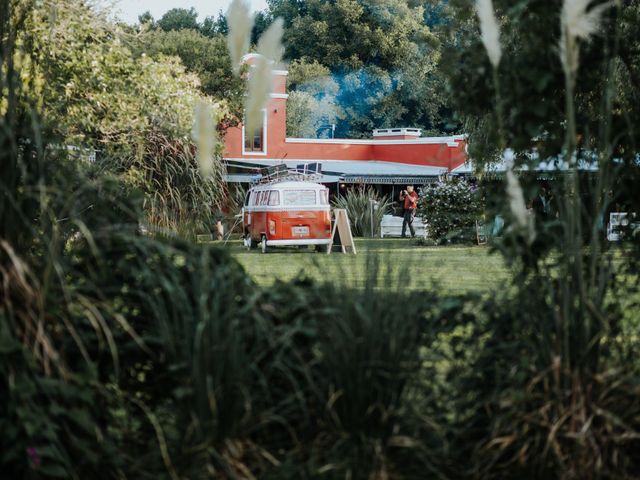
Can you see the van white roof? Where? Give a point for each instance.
(289, 185)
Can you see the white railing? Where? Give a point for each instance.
(391, 226)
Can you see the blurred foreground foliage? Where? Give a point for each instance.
(380, 59)
(166, 359)
(129, 355)
(100, 93)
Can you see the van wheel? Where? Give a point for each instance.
(249, 242)
(263, 244)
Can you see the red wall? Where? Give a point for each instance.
(429, 152)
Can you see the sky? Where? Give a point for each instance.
(128, 10)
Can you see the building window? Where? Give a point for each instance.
(255, 143)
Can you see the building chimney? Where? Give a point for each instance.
(396, 133)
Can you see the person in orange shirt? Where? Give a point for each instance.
(410, 199)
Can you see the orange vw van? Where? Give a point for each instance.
(287, 213)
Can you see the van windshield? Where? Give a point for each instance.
(299, 197)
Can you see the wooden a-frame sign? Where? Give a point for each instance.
(342, 226)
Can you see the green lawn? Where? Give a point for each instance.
(452, 269)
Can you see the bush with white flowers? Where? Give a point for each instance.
(450, 209)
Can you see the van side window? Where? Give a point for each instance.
(274, 198)
(263, 198)
(324, 197)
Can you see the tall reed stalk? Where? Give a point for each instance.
(582, 305)
(551, 352)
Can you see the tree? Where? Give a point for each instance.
(99, 95)
(179, 19)
(353, 33)
(214, 26)
(309, 117)
(261, 22)
(382, 56)
(146, 19)
(207, 57)
(530, 69)
(312, 77)
(313, 104)
(365, 96)
(300, 106)
(137, 111)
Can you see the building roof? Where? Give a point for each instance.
(355, 171)
(289, 184)
(392, 153)
(549, 165)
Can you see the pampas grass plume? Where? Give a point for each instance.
(240, 23)
(261, 76)
(523, 218)
(577, 23)
(489, 30)
(204, 134)
(260, 86)
(270, 43)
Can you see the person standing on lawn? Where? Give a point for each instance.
(410, 199)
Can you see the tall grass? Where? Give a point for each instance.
(138, 356)
(358, 204)
(179, 197)
(553, 396)
(253, 381)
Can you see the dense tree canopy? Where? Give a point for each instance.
(351, 34)
(92, 88)
(137, 111)
(312, 107)
(179, 19)
(531, 80)
(382, 55)
(205, 56)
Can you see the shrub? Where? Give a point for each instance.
(450, 210)
(357, 203)
(178, 198)
(554, 390)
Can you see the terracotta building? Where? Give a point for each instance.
(392, 156)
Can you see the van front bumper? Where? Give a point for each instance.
(301, 241)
